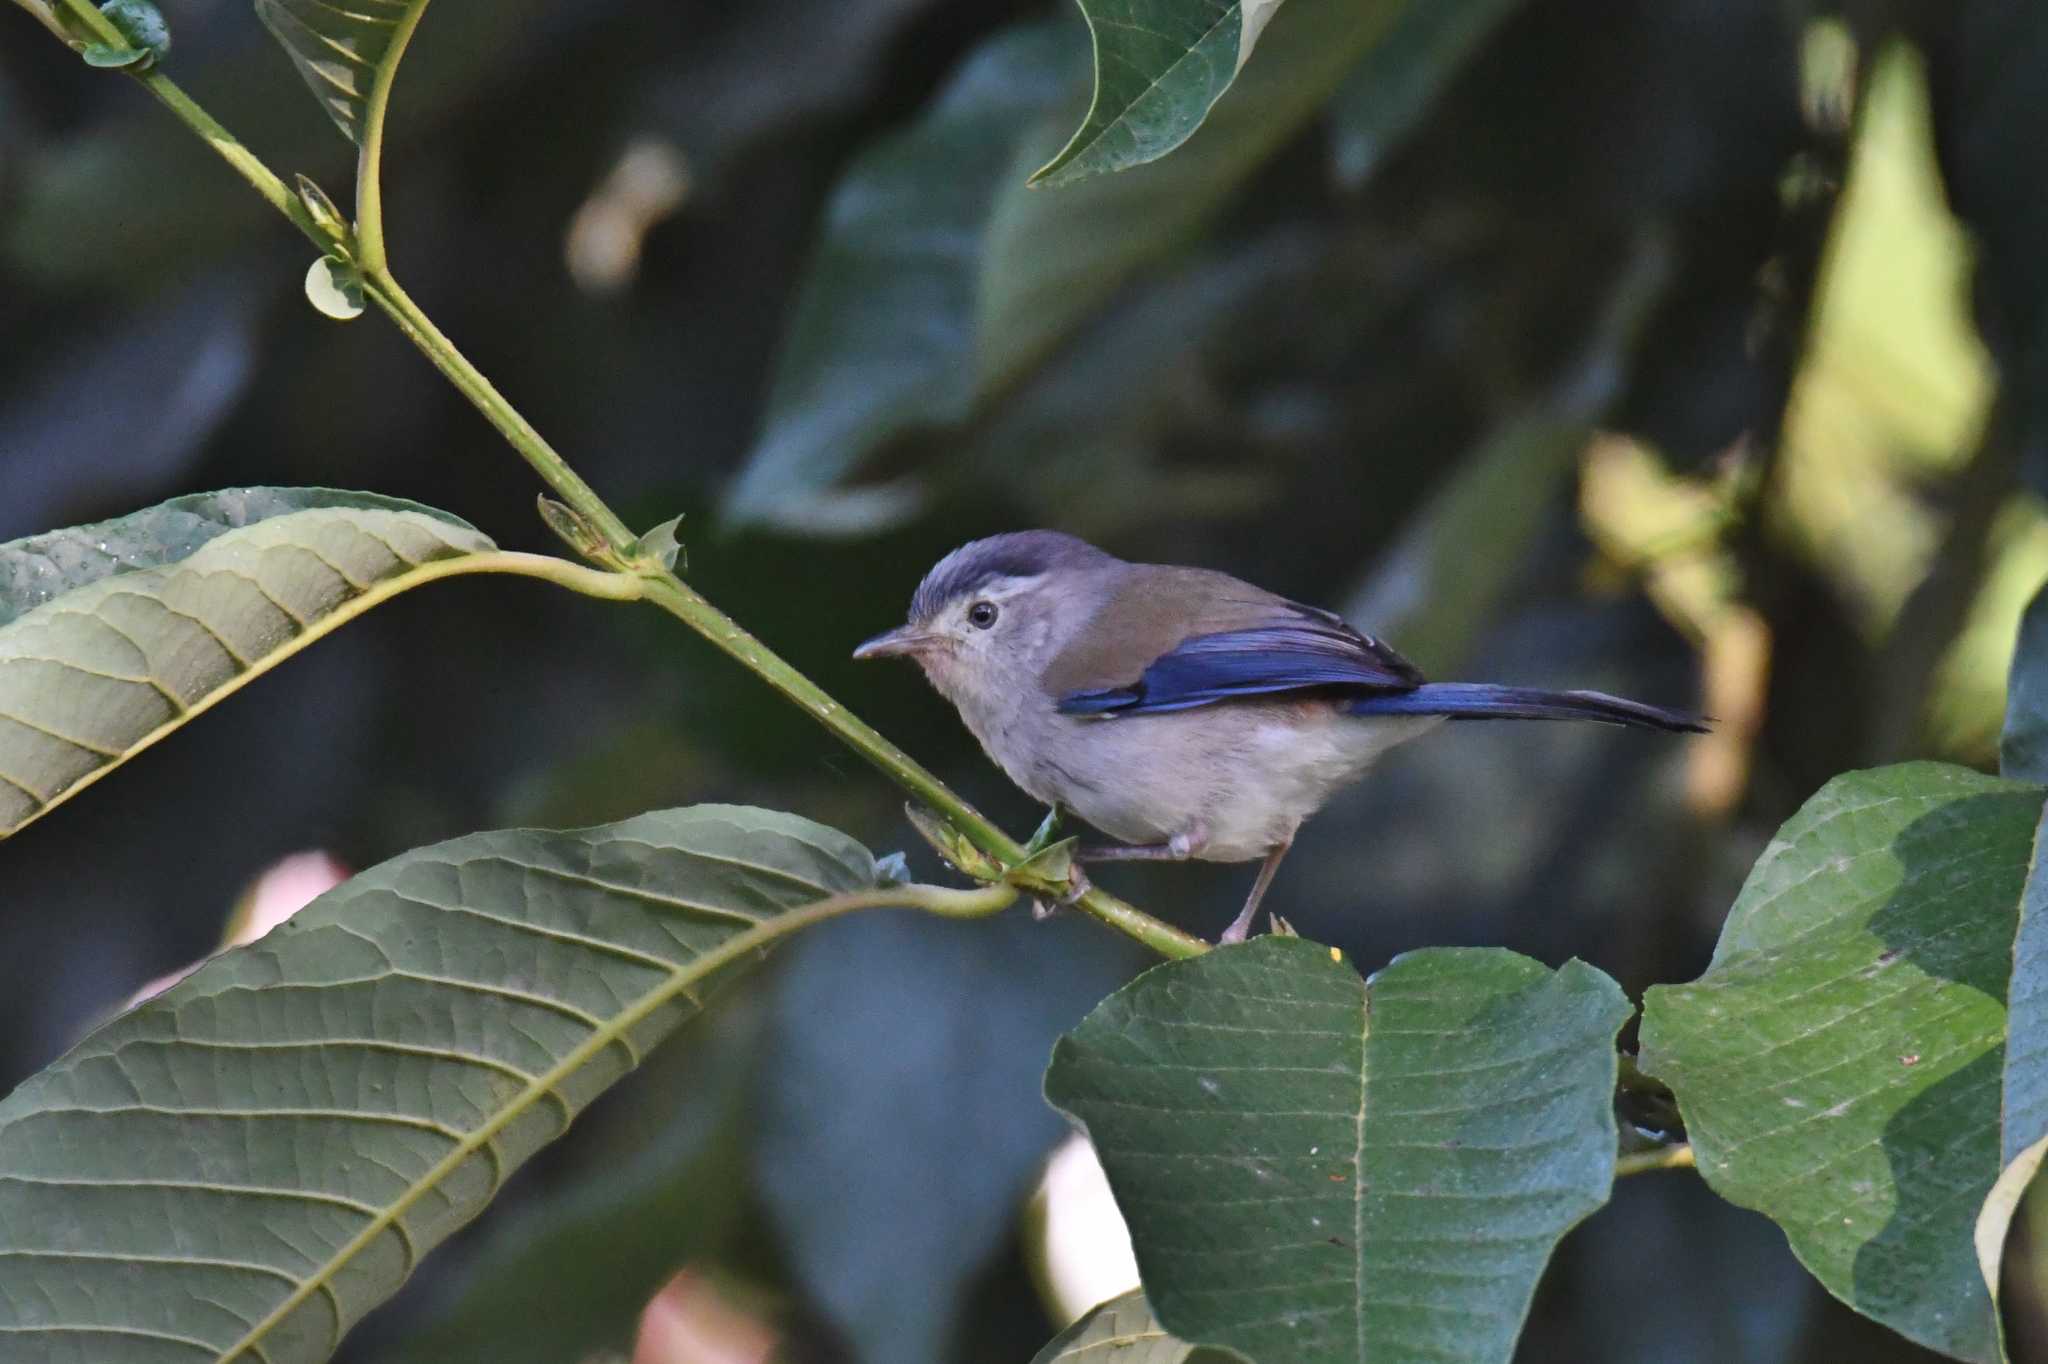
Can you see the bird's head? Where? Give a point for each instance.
(990, 615)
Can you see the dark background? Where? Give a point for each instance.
(1586, 373)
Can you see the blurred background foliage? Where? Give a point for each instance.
(1690, 350)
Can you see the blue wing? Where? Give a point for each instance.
(1311, 652)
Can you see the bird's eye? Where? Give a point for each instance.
(981, 615)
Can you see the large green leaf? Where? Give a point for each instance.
(1122, 1331)
(881, 340)
(244, 1166)
(345, 51)
(1159, 65)
(1317, 1168)
(567, 1272)
(114, 634)
(1838, 1066)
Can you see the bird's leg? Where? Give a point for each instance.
(1179, 848)
(1242, 924)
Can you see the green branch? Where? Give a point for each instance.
(370, 158)
(623, 546)
(621, 550)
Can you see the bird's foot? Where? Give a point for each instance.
(1048, 872)
(1078, 885)
(1241, 926)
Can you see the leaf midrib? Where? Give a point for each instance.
(1072, 154)
(484, 1136)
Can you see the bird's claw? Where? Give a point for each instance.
(1078, 885)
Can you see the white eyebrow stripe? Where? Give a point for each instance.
(1003, 588)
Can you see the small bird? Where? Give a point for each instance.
(1180, 710)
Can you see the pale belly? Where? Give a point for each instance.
(1240, 777)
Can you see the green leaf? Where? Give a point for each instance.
(1838, 1066)
(112, 635)
(880, 340)
(345, 52)
(246, 1165)
(1122, 1331)
(569, 1269)
(1317, 1168)
(1052, 258)
(1159, 66)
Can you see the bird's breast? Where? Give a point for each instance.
(1244, 775)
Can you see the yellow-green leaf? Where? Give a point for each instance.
(114, 634)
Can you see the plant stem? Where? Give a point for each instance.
(1677, 1157)
(653, 582)
(226, 144)
(517, 431)
(370, 157)
(674, 596)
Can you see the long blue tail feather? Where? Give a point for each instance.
(1486, 701)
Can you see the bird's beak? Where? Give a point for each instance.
(895, 643)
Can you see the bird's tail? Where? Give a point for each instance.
(1485, 701)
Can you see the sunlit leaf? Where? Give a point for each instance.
(1839, 1064)
(342, 50)
(114, 634)
(243, 1167)
(1317, 1169)
(1159, 65)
